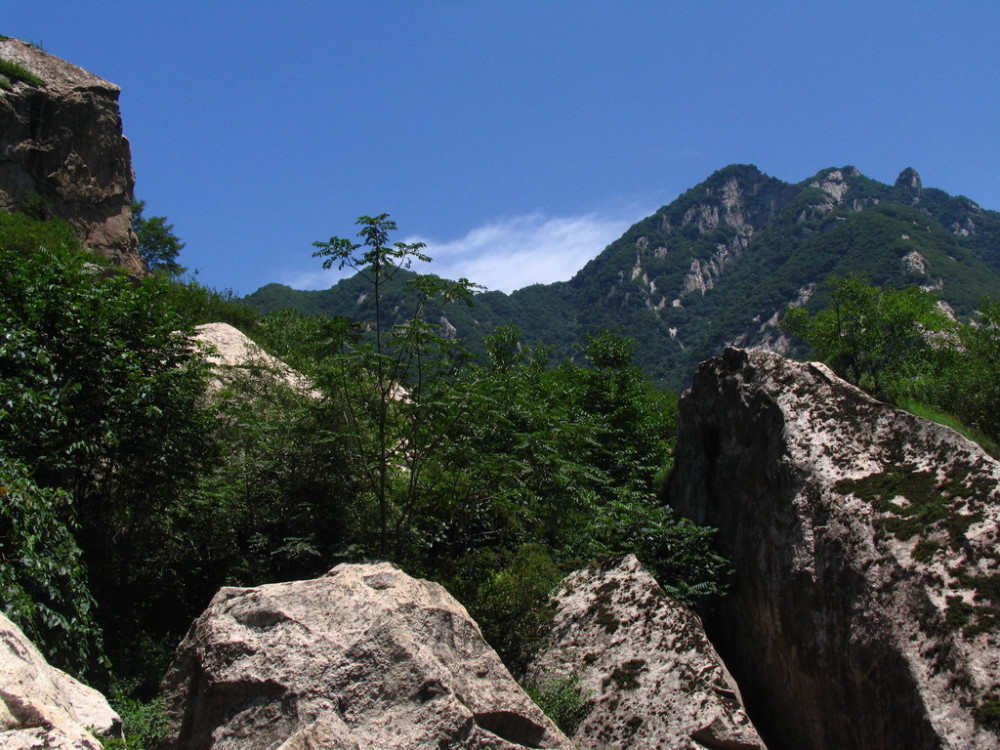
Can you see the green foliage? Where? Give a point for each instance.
(15, 72)
(562, 700)
(495, 478)
(987, 712)
(158, 245)
(144, 725)
(389, 389)
(196, 304)
(966, 382)
(510, 602)
(43, 582)
(878, 338)
(100, 397)
(898, 345)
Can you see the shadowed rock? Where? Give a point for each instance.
(864, 612)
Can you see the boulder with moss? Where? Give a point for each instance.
(865, 608)
(641, 668)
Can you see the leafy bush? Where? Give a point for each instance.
(144, 725)
(100, 398)
(43, 581)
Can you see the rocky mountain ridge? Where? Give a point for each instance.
(718, 265)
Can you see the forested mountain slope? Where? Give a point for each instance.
(720, 263)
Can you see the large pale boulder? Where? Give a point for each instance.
(231, 353)
(61, 142)
(866, 597)
(365, 657)
(647, 674)
(43, 707)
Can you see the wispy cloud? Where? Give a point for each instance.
(508, 254)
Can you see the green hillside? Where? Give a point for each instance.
(720, 263)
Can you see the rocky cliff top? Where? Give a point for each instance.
(62, 152)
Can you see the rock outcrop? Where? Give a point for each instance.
(364, 657)
(231, 352)
(647, 674)
(865, 611)
(62, 149)
(43, 707)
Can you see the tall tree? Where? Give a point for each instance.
(158, 245)
(401, 370)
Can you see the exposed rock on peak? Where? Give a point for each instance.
(43, 707)
(646, 670)
(62, 149)
(364, 657)
(909, 179)
(865, 611)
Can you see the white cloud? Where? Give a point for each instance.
(508, 254)
(534, 249)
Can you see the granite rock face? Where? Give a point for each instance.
(865, 611)
(364, 657)
(647, 673)
(43, 707)
(61, 146)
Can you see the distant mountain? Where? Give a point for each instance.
(719, 264)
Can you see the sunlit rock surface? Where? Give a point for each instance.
(648, 676)
(364, 657)
(63, 153)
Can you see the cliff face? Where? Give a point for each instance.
(865, 609)
(62, 150)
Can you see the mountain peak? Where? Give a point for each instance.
(909, 179)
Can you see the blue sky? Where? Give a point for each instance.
(515, 138)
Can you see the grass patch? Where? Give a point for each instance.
(930, 505)
(924, 550)
(930, 413)
(562, 700)
(15, 72)
(988, 711)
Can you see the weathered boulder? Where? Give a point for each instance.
(41, 706)
(648, 676)
(231, 352)
(866, 601)
(363, 657)
(61, 143)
